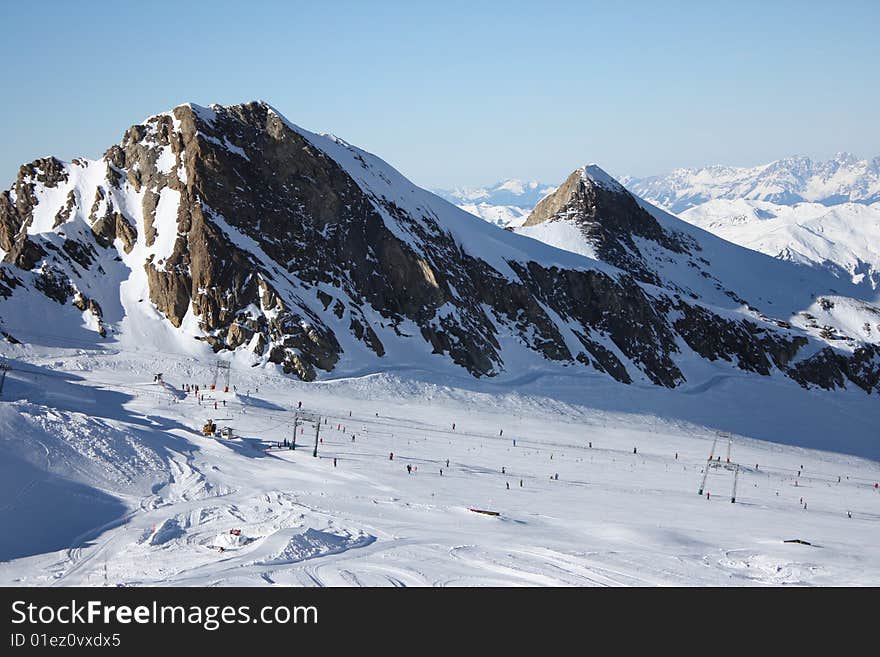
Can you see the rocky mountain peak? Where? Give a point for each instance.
(609, 217)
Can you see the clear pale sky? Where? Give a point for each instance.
(459, 93)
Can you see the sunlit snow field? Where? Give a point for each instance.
(107, 480)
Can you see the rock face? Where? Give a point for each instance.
(244, 231)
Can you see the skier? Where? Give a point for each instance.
(507, 484)
(334, 461)
(520, 483)
(447, 463)
(556, 476)
(453, 426)
(391, 456)
(501, 433)
(635, 451)
(514, 442)
(299, 404)
(591, 444)
(441, 472)
(352, 437)
(849, 514)
(676, 456)
(408, 469)
(503, 470)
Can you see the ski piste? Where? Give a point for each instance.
(584, 515)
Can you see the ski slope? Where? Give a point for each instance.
(107, 480)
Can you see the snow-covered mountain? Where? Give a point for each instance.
(398, 324)
(505, 204)
(841, 179)
(231, 226)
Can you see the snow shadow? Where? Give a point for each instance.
(43, 512)
(251, 448)
(257, 402)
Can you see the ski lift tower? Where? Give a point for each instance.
(301, 417)
(221, 373)
(715, 462)
(4, 368)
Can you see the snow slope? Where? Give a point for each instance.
(354, 517)
(844, 239)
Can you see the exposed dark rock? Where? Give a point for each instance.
(54, 284)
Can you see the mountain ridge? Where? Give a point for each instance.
(234, 228)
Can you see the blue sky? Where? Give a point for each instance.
(459, 93)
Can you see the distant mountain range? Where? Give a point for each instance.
(506, 203)
(842, 179)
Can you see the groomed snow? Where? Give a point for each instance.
(108, 481)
